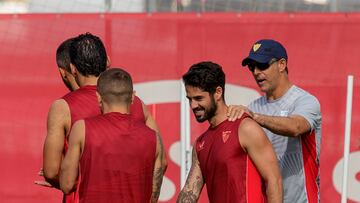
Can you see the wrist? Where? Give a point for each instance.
(255, 116)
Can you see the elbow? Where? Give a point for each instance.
(66, 190)
(275, 184)
(66, 186)
(298, 132)
(301, 129)
(51, 176)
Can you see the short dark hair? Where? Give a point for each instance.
(88, 54)
(205, 75)
(63, 54)
(115, 86)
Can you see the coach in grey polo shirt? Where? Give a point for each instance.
(291, 118)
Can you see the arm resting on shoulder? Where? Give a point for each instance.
(291, 126)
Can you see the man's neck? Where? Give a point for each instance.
(280, 91)
(220, 115)
(124, 109)
(87, 80)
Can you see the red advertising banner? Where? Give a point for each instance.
(157, 49)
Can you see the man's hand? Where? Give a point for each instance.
(42, 182)
(236, 111)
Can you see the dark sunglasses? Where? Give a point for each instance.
(261, 66)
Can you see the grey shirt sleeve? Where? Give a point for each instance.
(308, 107)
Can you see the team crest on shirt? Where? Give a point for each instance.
(225, 135)
(201, 145)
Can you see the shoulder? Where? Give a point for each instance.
(77, 133)
(142, 127)
(304, 96)
(137, 99)
(249, 131)
(248, 125)
(78, 124)
(59, 108)
(70, 94)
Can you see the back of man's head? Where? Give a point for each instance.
(88, 55)
(115, 86)
(206, 76)
(63, 54)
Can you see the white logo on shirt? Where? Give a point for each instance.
(284, 113)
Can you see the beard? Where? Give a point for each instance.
(208, 112)
(67, 84)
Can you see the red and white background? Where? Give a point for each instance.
(157, 49)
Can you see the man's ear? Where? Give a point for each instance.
(98, 97)
(108, 62)
(73, 70)
(282, 63)
(62, 72)
(218, 93)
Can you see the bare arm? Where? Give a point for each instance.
(159, 169)
(194, 182)
(254, 141)
(149, 120)
(57, 126)
(70, 164)
(291, 126)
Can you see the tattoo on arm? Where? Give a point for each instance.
(159, 170)
(186, 197)
(194, 183)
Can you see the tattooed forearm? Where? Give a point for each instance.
(194, 184)
(159, 170)
(186, 197)
(157, 181)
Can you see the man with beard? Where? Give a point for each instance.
(231, 158)
(88, 59)
(118, 158)
(63, 63)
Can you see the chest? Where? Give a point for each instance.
(218, 148)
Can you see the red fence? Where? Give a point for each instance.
(322, 49)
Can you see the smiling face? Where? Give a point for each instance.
(202, 103)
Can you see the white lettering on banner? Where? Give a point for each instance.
(168, 91)
(353, 192)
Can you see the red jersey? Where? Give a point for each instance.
(229, 174)
(118, 159)
(83, 103)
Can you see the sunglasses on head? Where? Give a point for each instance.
(261, 66)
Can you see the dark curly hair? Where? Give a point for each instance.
(88, 54)
(207, 76)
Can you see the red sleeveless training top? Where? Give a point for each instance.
(83, 103)
(118, 159)
(229, 174)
